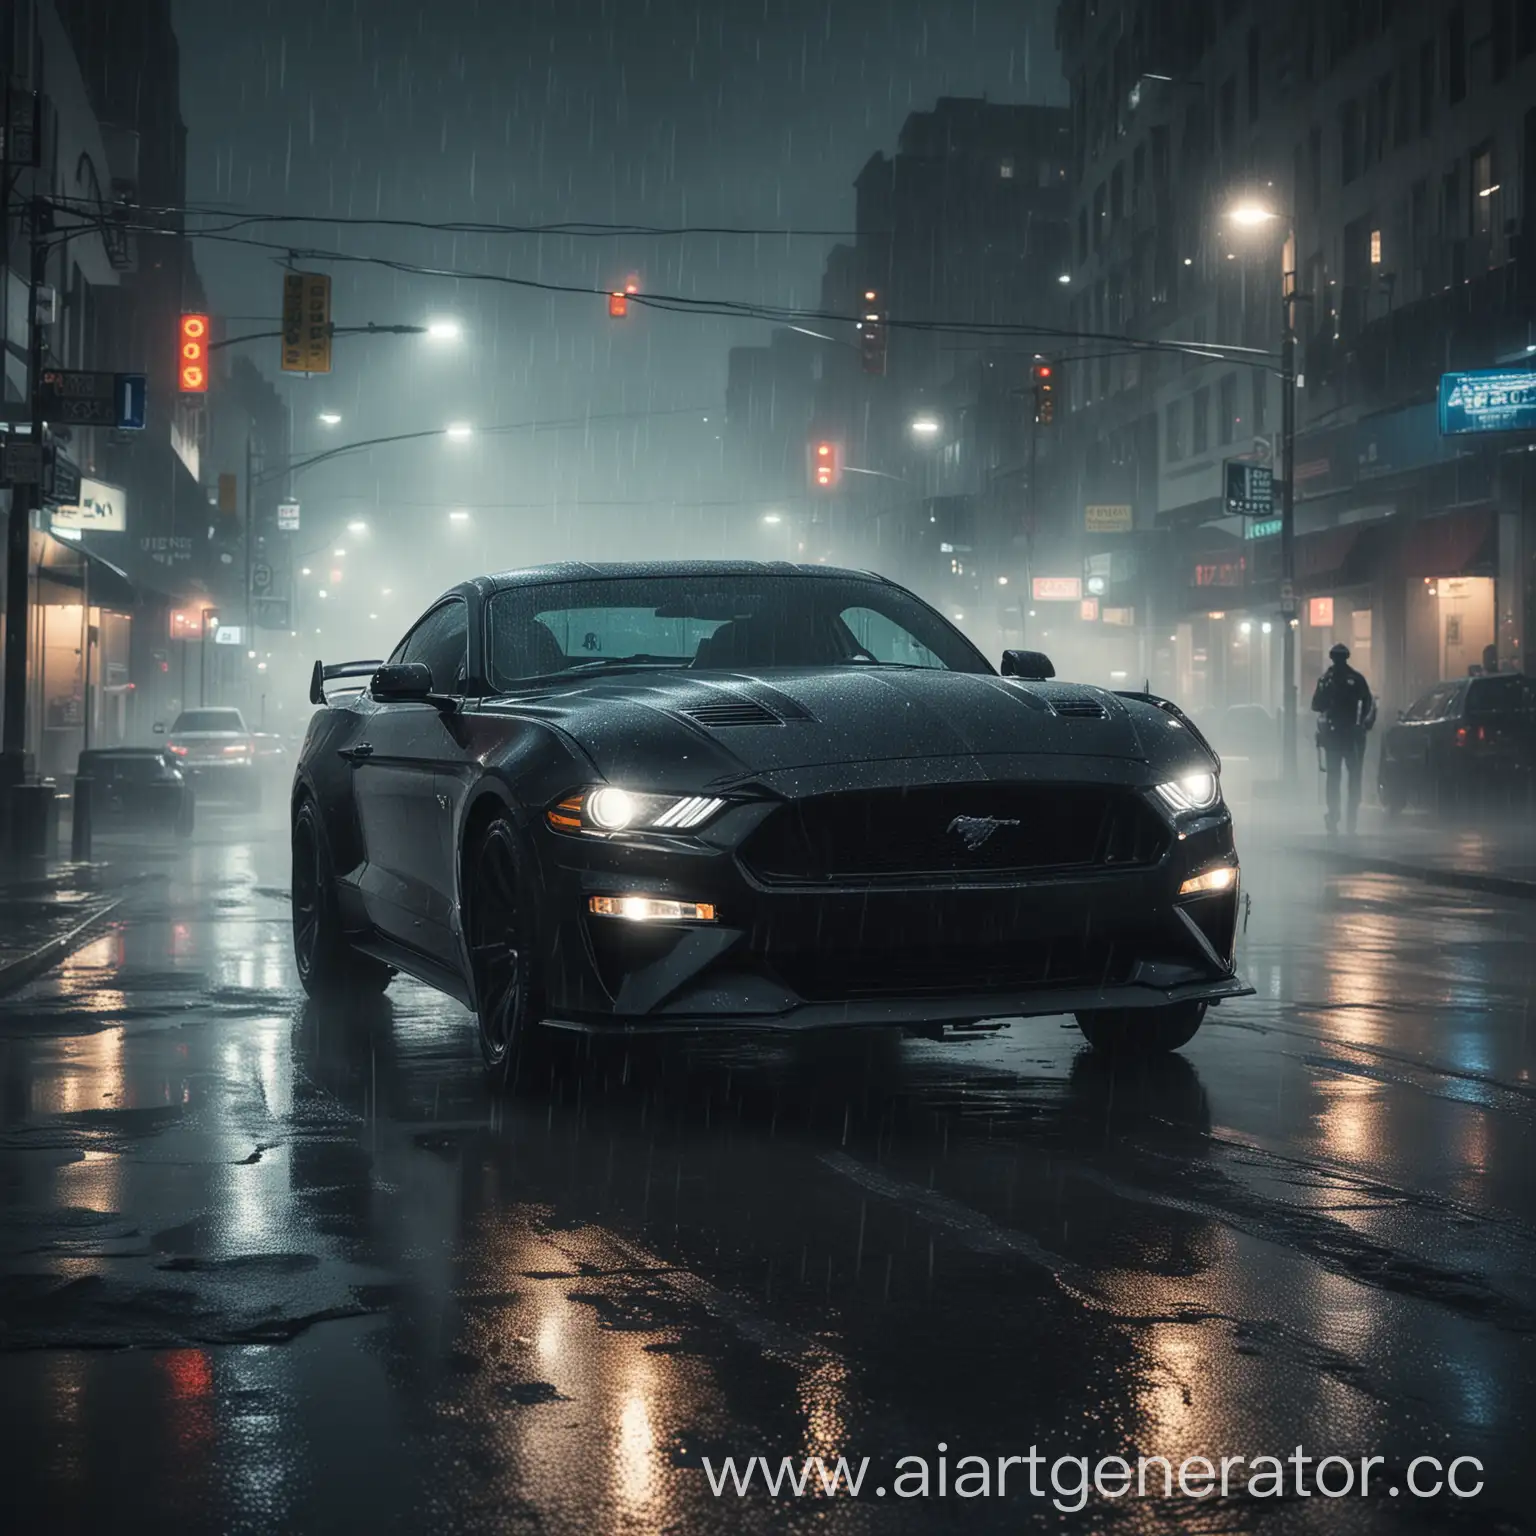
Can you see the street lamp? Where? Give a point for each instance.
(357, 525)
(458, 431)
(1252, 214)
(925, 426)
(458, 516)
(443, 330)
(773, 517)
(340, 554)
(329, 419)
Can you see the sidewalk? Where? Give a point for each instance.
(1497, 857)
(48, 911)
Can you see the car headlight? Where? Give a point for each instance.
(606, 808)
(1192, 791)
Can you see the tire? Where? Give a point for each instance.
(499, 930)
(1141, 1031)
(328, 965)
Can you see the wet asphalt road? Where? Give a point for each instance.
(270, 1267)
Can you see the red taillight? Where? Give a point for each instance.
(1461, 735)
(179, 751)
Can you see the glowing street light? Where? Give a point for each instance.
(329, 419)
(773, 517)
(357, 525)
(458, 515)
(1251, 215)
(925, 426)
(459, 431)
(1066, 277)
(340, 554)
(444, 330)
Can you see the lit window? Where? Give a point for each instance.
(1375, 247)
(1005, 170)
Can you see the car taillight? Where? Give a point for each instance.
(236, 749)
(179, 751)
(1461, 735)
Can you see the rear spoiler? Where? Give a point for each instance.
(323, 674)
(1168, 707)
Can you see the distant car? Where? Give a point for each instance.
(728, 794)
(137, 787)
(1464, 743)
(219, 752)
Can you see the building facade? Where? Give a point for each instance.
(1377, 160)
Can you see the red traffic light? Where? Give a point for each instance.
(192, 357)
(826, 466)
(1041, 372)
(618, 305)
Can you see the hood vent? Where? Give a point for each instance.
(1079, 706)
(732, 712)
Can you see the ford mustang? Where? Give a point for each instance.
(730, 794)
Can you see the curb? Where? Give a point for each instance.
(17, 973)
(1456, 879)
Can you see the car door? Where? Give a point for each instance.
(1410, 742)
(405, 820)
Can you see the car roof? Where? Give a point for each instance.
(618, 570)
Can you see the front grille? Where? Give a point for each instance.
(949, 832)
(1079, 706)
(735, 712)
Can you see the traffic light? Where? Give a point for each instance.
(872, 335)
(618, 300)
(1044, 377)
(192, 361)
(826, 465)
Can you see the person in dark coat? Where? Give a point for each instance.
(1342, 701)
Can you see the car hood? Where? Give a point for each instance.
(733, 724)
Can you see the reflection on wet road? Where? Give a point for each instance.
(367, 1295)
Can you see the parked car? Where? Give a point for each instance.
(726, 794)
(215, 747)
(137, 787)
(1469, 742)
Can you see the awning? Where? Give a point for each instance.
(1448, 545)
(109, 587)
(1320, 555)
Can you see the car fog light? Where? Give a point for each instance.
(1222, 879)
(652, 909)
(611, 809)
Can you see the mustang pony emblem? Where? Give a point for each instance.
(975, 830)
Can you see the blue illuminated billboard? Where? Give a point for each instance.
(1490, 400)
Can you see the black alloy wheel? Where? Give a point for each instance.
(500, 931)
(328, 965)
(1141, 1031)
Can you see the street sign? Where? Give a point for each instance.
(261, 576)
(270, 613)
(1250, 489)
(132, 402)
(1057, 589)
(23, 462)
(61, 477)
(1489, 400)
(1107, 519)
(288, 516)
(306, 322)
(229, 634)
(1088, 610)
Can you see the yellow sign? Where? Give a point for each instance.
(306, 322)
(1107, 519)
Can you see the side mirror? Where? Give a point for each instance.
(402, 681)
(159, 727)
(1035, 665)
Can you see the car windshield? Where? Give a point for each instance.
(207, 720)
(717, 622)
(124, 768)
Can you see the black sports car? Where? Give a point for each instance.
(729, 793)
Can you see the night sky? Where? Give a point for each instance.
(757, 113)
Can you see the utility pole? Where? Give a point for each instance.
(248, 633)
(1288, 775)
